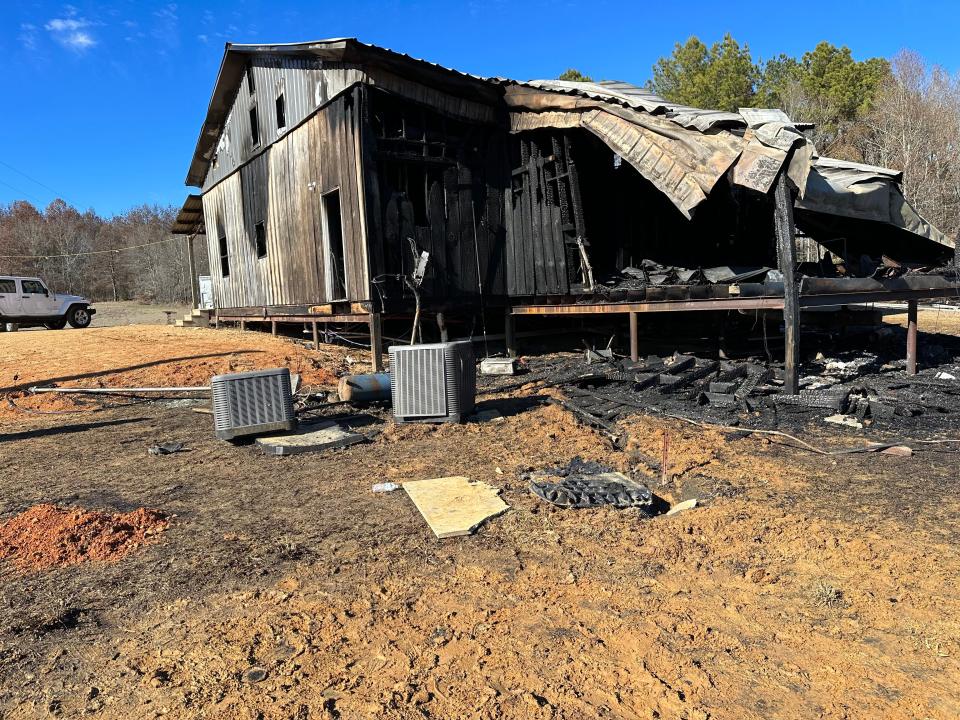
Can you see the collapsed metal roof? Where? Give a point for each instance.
(684, 151)
(638, 98)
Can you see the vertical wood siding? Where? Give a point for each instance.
(306, 84)
(440, 182)
(283, 187)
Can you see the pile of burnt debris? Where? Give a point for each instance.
(649, 273)
(861, 390)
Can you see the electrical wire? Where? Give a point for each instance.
(23, 192)
(33, 180)
(476, 252)
(88, 252)
(345, 339)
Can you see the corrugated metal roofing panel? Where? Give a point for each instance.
(637, 98)
(190, 218)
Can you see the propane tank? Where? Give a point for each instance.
(364, 388)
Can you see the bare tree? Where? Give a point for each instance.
(914, 126)
(131, 256)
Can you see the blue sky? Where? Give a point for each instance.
(105, 99)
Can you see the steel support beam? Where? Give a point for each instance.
(733, 303)
(634, 337)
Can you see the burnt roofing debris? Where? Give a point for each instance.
(580, 484)
(649, 273)
(871, 387)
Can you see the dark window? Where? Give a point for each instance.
(8, 286)
(250, 86)
(224, 254)
(254, 126)
(33, 287)
(260, 232)
(281, 112)
(334, 226)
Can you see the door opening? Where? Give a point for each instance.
(337, 271)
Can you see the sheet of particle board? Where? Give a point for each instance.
(454, 506)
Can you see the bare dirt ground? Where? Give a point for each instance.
(929, 320)
(803, 586)
(149, 356)
(131, 312)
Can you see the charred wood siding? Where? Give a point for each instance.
(438, 181)
(544, 216)
(306, 84)
(283, 187)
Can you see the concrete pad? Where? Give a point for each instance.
(310, 438)
(486, 415)
(498, 366)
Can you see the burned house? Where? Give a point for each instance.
(343, 182)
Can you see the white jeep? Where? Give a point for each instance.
(26, 301)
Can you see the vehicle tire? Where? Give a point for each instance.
(79, 316)
(56, 324)
(11, 327)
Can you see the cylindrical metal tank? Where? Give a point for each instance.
(365, 388)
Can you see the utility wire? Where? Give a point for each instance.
(33, 180)
(89, 252)
(22, 192)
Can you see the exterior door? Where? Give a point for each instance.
(35, 299)
(9, 297)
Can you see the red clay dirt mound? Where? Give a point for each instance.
(46, 536)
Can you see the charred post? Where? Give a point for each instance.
(786, 258)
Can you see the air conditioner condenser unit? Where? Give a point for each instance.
(250, 403)
(434, 382)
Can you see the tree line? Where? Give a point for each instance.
(83, 254)
(902, 113)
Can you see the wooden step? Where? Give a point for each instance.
(189, 321)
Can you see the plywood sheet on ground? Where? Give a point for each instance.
(454, 506)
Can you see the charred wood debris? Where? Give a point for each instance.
(649, 273)
(864, 391)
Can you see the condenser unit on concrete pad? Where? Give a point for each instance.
(433, 383)
(252, 403)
